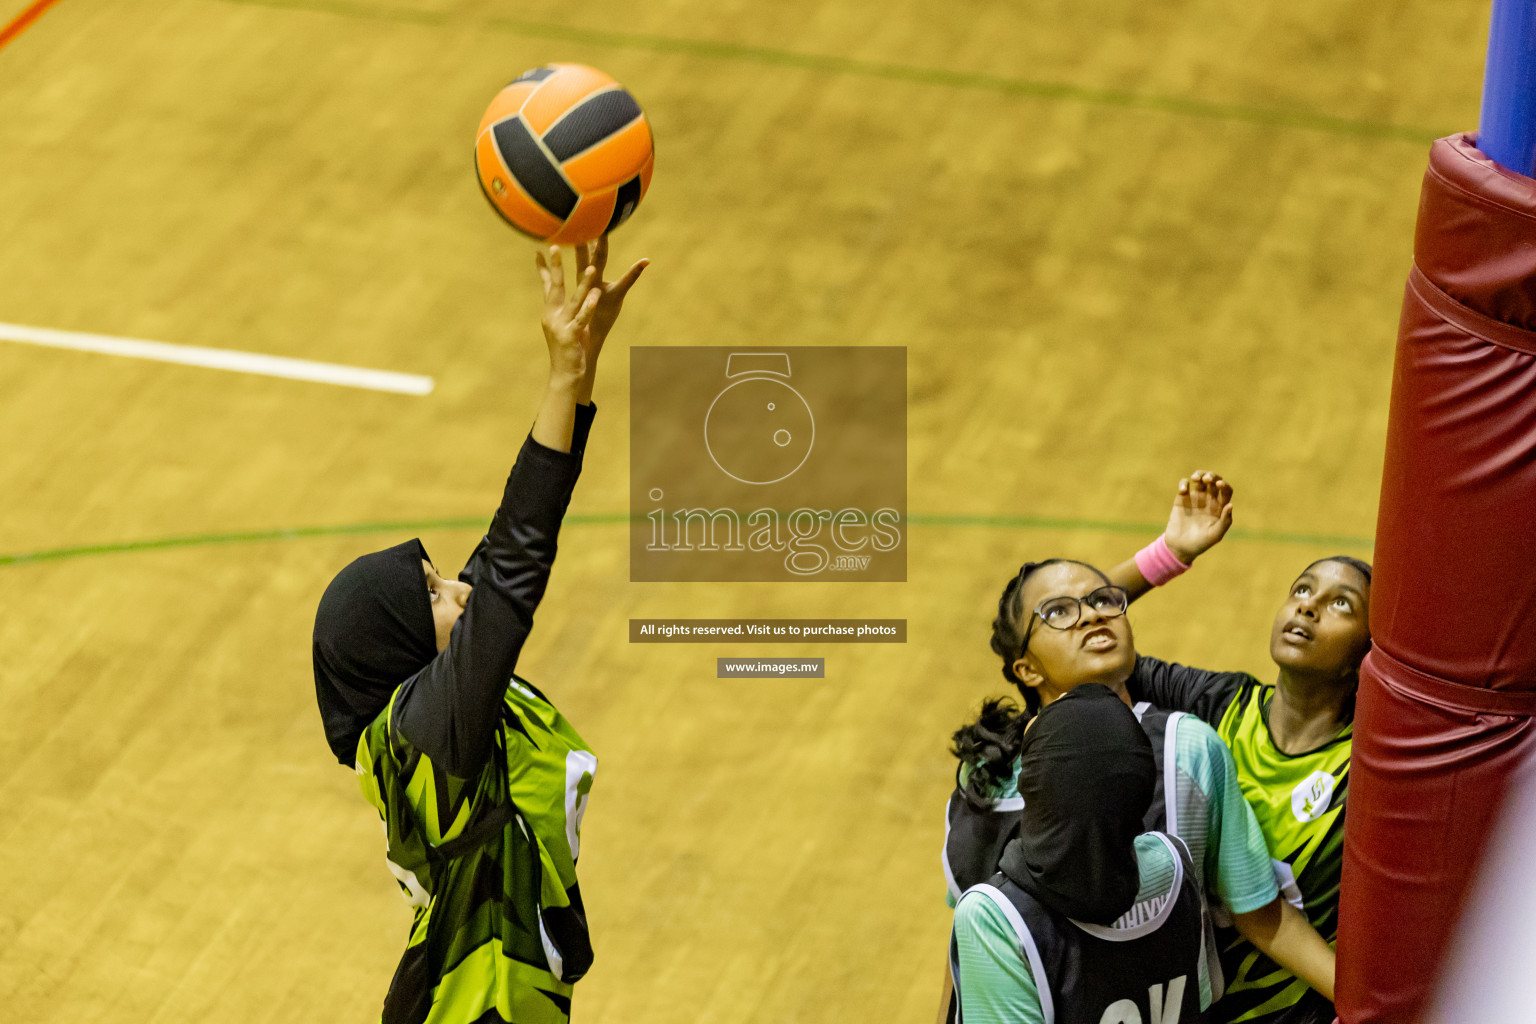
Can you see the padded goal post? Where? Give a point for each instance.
(1447, 705)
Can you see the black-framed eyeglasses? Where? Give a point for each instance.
(1065, 612)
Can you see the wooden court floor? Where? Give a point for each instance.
(1119, 240)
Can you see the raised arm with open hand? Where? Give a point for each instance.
(450, 709)
(1201, 516)
(577, 321)
(594, 256)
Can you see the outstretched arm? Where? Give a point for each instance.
(1284, 935)
(1201, 516)
(450, 709)
(560, 308)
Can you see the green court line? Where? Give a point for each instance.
(198, 540)
(1039, 89)
(1110, 526)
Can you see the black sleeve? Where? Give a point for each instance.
(450, 709)
(475, 568)
(1175, 687)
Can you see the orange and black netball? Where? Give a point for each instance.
(564, 154)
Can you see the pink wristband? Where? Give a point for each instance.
(1158, 563)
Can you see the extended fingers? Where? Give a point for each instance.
(1210, 492)
(554, 275)
(543, 267)
(588, 308)
(598, 255)
(578, 294)
(621, 287)
(1216, 491)
(1199, 488)
(586, 282)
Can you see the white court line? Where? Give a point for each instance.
(222, 359)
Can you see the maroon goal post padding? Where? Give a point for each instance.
(1447, 704)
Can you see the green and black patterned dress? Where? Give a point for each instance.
(499, 932)
(481, 784)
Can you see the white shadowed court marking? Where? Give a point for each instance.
(222, 359)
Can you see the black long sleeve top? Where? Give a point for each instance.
(451, 709)
(1176, 687)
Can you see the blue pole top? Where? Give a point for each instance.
(1507, 126)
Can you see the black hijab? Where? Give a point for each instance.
(373, 631)
(1087, 778)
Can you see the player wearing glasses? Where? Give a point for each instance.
(1061, 624)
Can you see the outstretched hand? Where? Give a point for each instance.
(568, 316)
(577, 321)
(1201, 516)
(594, 257)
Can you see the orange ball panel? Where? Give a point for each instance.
(507, 103)
(587, 221)
(559, 92)
(613, 161)
(513, 203)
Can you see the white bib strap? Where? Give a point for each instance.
(1148, 915)
(1026, 945)
(1171, 774)
(949, 873)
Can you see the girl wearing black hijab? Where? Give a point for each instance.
(480, 782)
(1088, 919)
